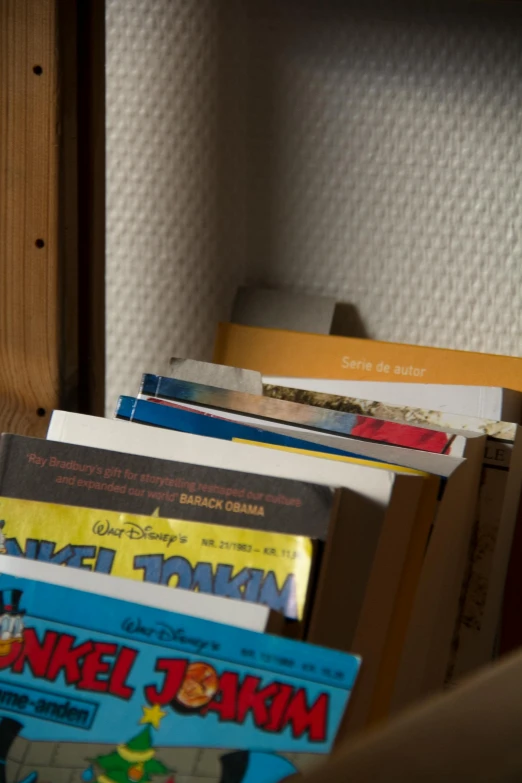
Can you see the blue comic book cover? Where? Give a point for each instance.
(98, 690)
(178, 418)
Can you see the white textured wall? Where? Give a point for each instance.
(370, 153)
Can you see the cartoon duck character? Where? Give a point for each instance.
(9, 731)
(11, 620)
(243, 766)
(199, 686)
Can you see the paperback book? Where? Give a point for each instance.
(492, 534)
(78, 475)
(106, 691)
(349, 424)
(182, 418)
(276, 435)
(279, 352)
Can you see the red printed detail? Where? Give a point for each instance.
(400, 434)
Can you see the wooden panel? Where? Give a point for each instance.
(29, 314)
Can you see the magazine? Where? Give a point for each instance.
(106, 691)
(273, 569)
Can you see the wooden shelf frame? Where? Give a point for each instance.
(52, 210)
(29, 267)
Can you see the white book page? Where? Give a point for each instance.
(240, 614)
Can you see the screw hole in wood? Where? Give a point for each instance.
(38, 70)
(41, 412)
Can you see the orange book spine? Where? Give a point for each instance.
(276, 352)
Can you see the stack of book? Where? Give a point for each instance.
(216, 585)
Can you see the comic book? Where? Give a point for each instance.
(273, 569)
(101, 690)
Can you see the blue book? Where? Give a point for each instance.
(258, 409)
(102, 690)
(177, 418)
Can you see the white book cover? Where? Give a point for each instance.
(116, 435)
(240, 614)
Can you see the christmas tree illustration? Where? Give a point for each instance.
(131, 762)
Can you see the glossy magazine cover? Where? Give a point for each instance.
(273, 569)
(99, 690)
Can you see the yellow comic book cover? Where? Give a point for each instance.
(273, 569)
